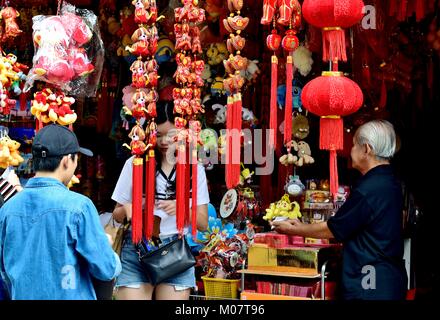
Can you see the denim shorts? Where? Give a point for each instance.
(133, 275)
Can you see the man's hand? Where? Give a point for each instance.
(169, 206)
(290, 227)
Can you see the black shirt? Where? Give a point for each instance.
(369, 225)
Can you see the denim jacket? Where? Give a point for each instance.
(52, 243)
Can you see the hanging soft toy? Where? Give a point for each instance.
(11, 29)
(217, 52)
(304, 154)
(300, 127)
(294, 186)
(137, 145)
(302, 59)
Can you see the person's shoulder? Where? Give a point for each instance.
(79, 200)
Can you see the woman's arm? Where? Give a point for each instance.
(122, 211)
(202, 217)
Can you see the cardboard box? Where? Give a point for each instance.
(301, 260)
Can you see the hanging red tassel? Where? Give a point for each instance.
(236, 156)
(393, 8)
(334, 183)
(194, 193)
(150, 184)
(333, 44)
(420, 10)
(383, 95)
(136, 220)
(273, 125)
(288, 104)
(187, 188)
(180, 186)
(331, 133)
(229, 123)
(401, 15)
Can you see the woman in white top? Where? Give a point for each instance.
(133, 283)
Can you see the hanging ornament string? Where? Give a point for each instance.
(187, 106)
(143, 107)
(234, 66)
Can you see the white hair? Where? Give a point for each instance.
(380, 136)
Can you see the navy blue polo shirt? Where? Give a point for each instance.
(369, 224)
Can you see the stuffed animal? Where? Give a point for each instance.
(74, 180)
(221, 113)
(216, 53)
(9, 154)
(302, 59)
(165, 50)
(137, 145)
(11, 30)
(283, 208)
(300, 127)
(245, 176)
(304, 154)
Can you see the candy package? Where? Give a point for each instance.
(69, 52)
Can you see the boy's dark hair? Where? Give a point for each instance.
(48, 164)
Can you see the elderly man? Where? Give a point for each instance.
(369, 224)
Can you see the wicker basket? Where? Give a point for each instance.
(221, 288)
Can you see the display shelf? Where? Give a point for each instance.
(246, 295)
(305, 275)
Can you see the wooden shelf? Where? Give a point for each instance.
(281, 274)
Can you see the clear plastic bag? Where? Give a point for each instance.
(69, 52)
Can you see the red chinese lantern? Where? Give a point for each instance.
(332, 96)
(332, 16)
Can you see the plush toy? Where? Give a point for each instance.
(79, 61)
(48, 106)
(165, 50)
(113, 26)
(11, 30)
(9, 154)
(144, 42)
(217, 88)
(304, 154)
(137, 145)
(294, 187)
(300, 127)
(245, 176)
(209, 139)
(216, 53)
(74, 180)
(302, 59)
(221, 113)
(284, 208)
(252, 71)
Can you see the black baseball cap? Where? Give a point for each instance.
(54, 141)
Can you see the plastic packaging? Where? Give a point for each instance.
(69, 52)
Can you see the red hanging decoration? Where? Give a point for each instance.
(235, 24)
(138, 166)
(187, 100)
(332, 16)
(194, 190)
(144, 79)
(273, 42)
(332, 96)
(180, 187)
(150, 183)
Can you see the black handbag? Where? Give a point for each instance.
(166, 261)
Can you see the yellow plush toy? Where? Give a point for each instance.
(9, 154)
(283, 208)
